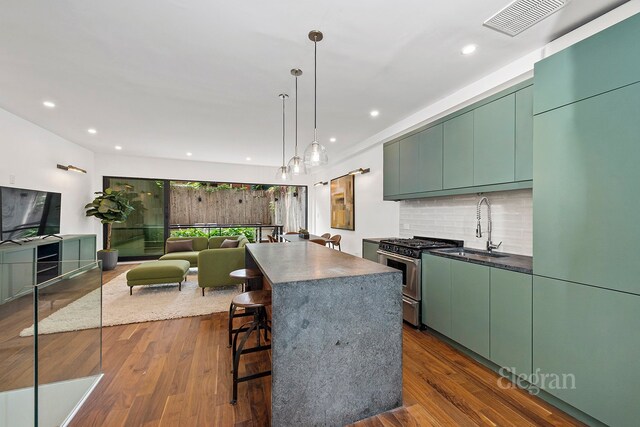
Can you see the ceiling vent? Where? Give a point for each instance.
(522, 14)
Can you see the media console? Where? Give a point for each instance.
(24, 265)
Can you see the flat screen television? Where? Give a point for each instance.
(28, 213)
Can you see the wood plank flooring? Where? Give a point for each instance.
(177, 373)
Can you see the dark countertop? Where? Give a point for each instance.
(377, 239)
(513, 262)
(304, 261)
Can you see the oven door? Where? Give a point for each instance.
(411, 272)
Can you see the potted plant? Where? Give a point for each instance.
(109, 206)
(303, 233)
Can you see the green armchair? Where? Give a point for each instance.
(214, 265)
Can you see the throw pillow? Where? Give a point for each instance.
(229, 243)
(179, 246)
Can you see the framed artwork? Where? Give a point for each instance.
(342, 203)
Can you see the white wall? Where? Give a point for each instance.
(373, 216)
(455, 218)
(30, 153)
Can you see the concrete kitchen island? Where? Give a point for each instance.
(337, 334)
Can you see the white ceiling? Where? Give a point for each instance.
(163, 77)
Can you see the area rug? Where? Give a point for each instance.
(148, 303)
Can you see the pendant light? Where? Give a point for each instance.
(283, 171)
(296, 164)
(315, 154)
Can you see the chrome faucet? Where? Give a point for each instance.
(490, 245)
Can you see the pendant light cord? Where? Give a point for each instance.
(296, 149)
(315, 88)
(283, 127)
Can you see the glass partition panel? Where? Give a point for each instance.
(17, 350)
(142, 234)
(68, 340)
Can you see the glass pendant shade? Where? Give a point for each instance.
(315, 155)
(283, 174)
(296, 166)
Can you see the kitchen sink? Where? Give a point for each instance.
(472, 253)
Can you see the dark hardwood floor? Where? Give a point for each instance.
(177, 373)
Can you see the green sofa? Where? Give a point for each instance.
(214, 263)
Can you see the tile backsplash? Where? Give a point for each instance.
(454, 217)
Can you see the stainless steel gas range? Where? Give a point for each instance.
(406, 256)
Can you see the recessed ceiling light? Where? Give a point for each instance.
(117, 147)
(49, 104)
(92, 131)
(248, 159)
(375, 113)
(189, 154)
(332, 139)
(469, 49)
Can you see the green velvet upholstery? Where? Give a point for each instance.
(214, 265)
(192, 257)
(158, 272)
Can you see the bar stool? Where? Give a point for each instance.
(244, 274)
(257, 302)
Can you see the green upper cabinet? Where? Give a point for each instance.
(589, 339)
(409, 166)
(458, 152)
(436, 293)
(494, 129)
(605, 61)
(391, 169)
(585, 205)
(511, 320)
(470, 306)
(430, 168)
(524, 134)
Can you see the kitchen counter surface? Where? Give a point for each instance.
(513, 262)
(304, 261)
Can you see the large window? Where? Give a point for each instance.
(185, 208)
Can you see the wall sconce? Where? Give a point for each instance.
(359, 171)
(319, 183)
(71, 168)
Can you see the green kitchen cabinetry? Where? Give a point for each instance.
(524, 134)
(588, 338)
(494, 144)
(605, 61)
(409, 164)
(370, 251)
(458, 152)
(585, 206)
(430, 161)
(436, 293)
(511, 320)
(470, 306)
(391, 169)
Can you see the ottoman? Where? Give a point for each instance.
(158, 272)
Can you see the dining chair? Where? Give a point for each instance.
(326, 235)
(318, 241)
(291, 232)
(272, 239)
(335, 241)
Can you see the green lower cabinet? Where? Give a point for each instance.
(436, 293)
(511, 320)
(18, 272)
(70, 255)
(370, 251)
(470, 306)
(586, 342)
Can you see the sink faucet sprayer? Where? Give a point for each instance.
(490, 245)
